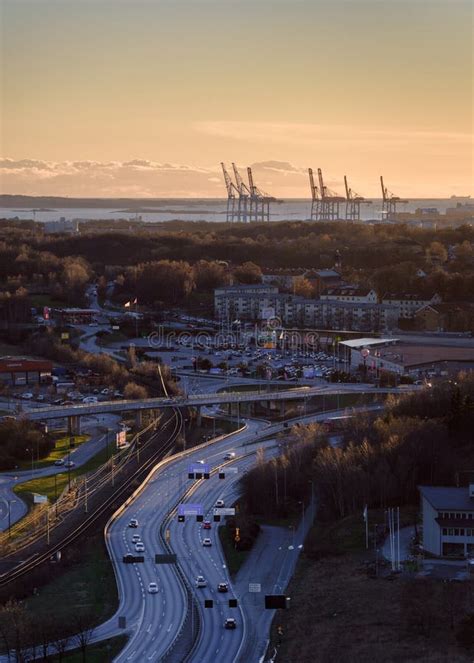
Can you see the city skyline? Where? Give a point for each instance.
(145, 99)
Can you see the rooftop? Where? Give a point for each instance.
(367, 342)
(447, 497)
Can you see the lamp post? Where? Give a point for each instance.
(10, 502)
(365, 352)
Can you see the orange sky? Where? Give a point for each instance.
(145, 98)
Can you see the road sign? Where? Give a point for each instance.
(224, 511)
(255, 587)
(189, 509)
(198, 468)
(165, 559)
(275, 601)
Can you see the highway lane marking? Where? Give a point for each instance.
(150, 657)
(132, 655)
(149, 628)
(169, 628)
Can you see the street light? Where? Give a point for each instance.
(10, 502)
(365, 352)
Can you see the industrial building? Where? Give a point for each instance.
(25, 371)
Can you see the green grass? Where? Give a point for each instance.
(46, 485)
(61, 449)
(87, 586)
(39, 301)
(348, 534)
(102, 652)
(234, 558)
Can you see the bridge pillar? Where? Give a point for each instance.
(139, 418)
(282, 408)
(74, 425)
(198, 416)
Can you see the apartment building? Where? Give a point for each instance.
(407, 304)
(262, 302)
(351, 294)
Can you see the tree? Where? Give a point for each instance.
(437, 253)
(303, 287)
(134, 391)
(248, 273)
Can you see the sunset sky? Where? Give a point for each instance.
(146, 98)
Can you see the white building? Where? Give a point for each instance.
(408, 304)
(448, 520)
(351, 294)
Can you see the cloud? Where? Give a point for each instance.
(335, 136)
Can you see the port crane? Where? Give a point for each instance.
(244, 195)
(353, 202)
(259, 201)
(389, 201)
(315, 198)
(232, 196)
(330, 200)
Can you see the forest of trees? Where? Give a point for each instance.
(423, 438)
(172, 261)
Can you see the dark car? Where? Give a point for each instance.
(230, 623)
(222, 587)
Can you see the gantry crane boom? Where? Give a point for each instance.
(229, 185)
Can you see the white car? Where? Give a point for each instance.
(136, 538)
(139, 547)
(207, 543)
(27, 396)
(133, 523)
(201, 581)
(220, 503)
(153, 588)
(90, 399)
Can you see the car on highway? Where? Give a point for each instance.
(201, 581)
(59, 462)
(90, 399)
(133, 523)
(139, 547)
(27, 396)
(220, 503)
(153, 588)
(222, 587)
(201, 462)
(229, 455)
(206, 543)
(40, 397)
(206, 524)
(69, 463)
(136, 538)
(230, 623)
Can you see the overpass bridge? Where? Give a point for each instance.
(74, 412)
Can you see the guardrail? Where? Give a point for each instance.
(297, 393)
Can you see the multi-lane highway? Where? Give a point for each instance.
(156, 622)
